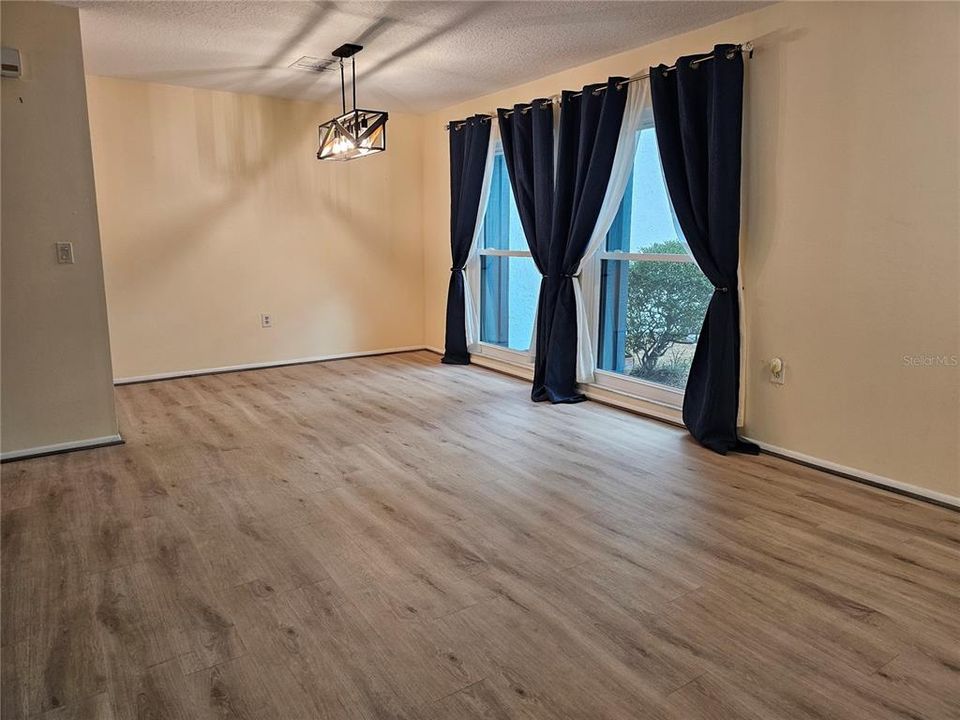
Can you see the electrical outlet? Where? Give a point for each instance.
(65, 253)
(266, 320)
(778, 371)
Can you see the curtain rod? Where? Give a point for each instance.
(746, 47)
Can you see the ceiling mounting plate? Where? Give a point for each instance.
(347, 50)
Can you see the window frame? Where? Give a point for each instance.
(620, 382)
(493, 350)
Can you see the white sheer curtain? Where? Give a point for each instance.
(588, 273)
(471, 274)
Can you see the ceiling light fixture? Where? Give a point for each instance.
(356, 133)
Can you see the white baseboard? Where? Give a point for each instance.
(260, 365)
(640, 406)
(859, 475)
(635, 405)
(60, 447)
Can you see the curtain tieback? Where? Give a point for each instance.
(721, 289)
(453, 269)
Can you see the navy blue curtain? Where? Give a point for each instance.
(587, 142)
(469, 140)
(526, 133)
(697, 112)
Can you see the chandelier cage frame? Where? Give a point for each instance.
(355, 133)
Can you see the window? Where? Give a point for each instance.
(509, 280)
(653, 296)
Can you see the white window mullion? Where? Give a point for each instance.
(644, 257)
(503, 303)
(505, 253)
(646, 220)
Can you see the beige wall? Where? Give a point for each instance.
(214, 209)
(852, 245)
(56, 376)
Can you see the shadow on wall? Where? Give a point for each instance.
(761, 161)
(760, 165)
(253, 154)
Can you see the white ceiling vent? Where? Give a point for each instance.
(312, 64)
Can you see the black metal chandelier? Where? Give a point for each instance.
(356, 133)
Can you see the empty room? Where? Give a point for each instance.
(568, 360)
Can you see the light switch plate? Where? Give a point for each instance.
(11, 66)
(65, 253)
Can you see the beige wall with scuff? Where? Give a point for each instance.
(851, 260)
(214, 209)
(56, 376)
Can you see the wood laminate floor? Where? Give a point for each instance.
(392, 538)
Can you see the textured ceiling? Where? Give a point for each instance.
(419, 56)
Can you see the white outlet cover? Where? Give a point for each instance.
(779, 378)
(65, 253)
